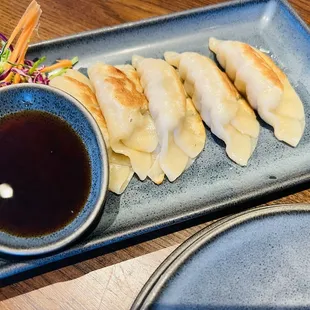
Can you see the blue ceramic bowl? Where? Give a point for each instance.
(44, 98)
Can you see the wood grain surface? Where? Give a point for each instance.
(109, 278)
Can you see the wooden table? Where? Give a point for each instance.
(111, 277)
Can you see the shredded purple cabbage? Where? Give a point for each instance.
(4, 74)
(29, 62)
(19, 71)
(30, 70)
(36, 77)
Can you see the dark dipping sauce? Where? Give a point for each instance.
(47, 166)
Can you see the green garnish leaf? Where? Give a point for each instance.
(4, 54)
(37, 64)
(1, 67)
(58, 73)
(74, 60)
(17, 65)
(12, 64)
(3, 49)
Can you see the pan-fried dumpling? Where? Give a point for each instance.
(266, 87)
(179, 127)
(221, 107)
(78, 85)
(131, 128)
(156, 174)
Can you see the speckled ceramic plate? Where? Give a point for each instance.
(255, 260)
(213, 182)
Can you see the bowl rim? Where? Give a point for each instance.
(98, 206)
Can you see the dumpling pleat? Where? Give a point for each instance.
(172, 159)
(190, 137)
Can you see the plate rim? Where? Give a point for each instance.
(154, 285)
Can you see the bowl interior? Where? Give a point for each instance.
(45, 98)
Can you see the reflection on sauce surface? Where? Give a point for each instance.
(45, 173)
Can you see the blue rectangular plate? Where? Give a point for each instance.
(213, 182)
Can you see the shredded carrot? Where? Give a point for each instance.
(22, 56)
(16, 78)
(18, 48)
(9, 77)
(22, 42)
(26, 25)
(64, 63)
(21, 22)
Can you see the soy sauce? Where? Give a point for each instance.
(45, 175)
